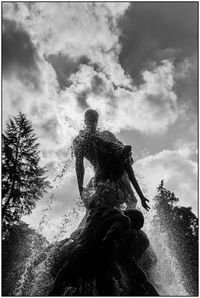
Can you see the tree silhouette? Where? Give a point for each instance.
(181, 226)
(23, 180)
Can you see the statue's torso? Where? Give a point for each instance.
(85, 146)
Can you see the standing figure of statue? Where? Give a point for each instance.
(112, 162)
(103, 259)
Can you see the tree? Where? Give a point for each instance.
(23, 180)
(181, 226)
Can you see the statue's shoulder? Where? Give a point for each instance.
(107, 135)
(79, 138)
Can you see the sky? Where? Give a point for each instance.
(135, 63)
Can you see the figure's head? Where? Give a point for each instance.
(136, 218)
(91, 118)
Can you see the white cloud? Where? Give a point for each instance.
(179, 174)
(186, 67)
(75, 29)
(185, 148)
(40, 106)
(150, 108)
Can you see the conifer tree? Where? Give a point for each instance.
(23, 180)
(181, 226)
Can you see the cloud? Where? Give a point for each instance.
(185, 77)
(64, 66)
(19, 54)
(185, 148)
(179, 174)
(74, 30)
(89, 41)
(149, 108)
(151, 32)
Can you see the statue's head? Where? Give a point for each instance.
(91, 118)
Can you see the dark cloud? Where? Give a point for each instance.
(19, 56)
(151, 32)
(82, 98)
(97, 84)
(186, 86)
(97, 88)
(64, 66)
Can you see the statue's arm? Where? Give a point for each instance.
(80, 171)
(79, 165)
(135, 184)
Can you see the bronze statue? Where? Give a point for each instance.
(112, 162)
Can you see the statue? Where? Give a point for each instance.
(112, 162)
(106, 249)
